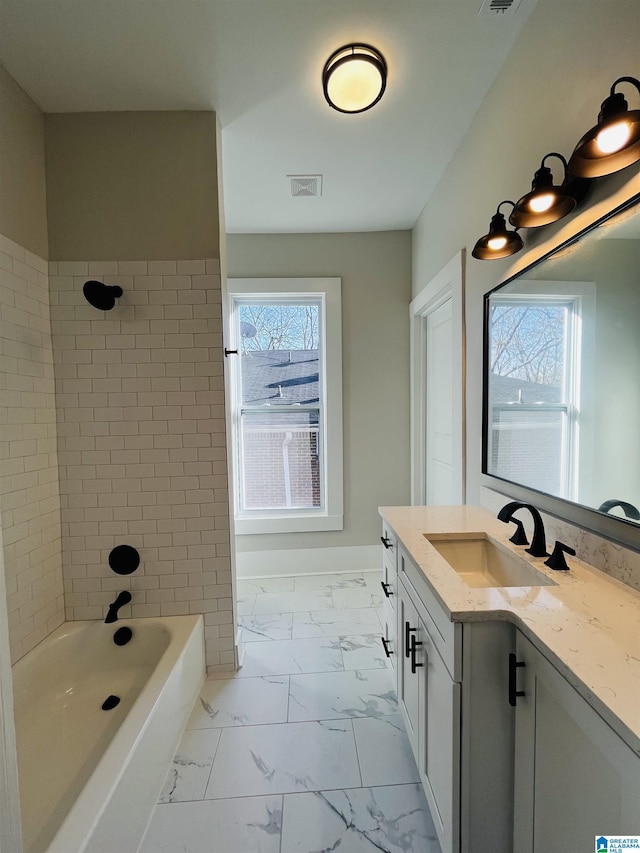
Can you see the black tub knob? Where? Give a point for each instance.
(122, 636)
(124, 559)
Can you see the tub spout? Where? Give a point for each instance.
(122, 599)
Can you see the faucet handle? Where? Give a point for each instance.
(556, 560)
(519, 537)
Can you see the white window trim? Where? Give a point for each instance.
(296, 521)
(583, 296)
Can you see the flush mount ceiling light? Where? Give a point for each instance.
(546, 202)
(499, 242)
(354, 78)
(614, 143)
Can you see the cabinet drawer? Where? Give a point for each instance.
(389, 585)
(389, 629)
(389, 544)
(446, 635)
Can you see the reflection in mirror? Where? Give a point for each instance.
(563, 357)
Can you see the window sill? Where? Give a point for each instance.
(287, 524)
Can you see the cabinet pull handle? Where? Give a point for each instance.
(414, 663)
(385, 589)
(407, 638)
(385, 646)
(513, 666)
(386, 542)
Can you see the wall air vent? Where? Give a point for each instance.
(305, 185)
(499, 7)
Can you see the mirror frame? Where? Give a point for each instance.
(611, 527)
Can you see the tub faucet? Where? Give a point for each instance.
(538, 547)
(122, 599)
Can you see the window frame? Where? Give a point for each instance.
(327, 291)
(579, 297)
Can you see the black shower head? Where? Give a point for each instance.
(101, 296)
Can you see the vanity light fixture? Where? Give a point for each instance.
(546, 202)
(614, 143)
(499, 242)
(354, 78)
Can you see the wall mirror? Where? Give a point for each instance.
(561, 404)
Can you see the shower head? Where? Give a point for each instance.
(101, 296)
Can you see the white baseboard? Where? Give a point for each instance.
(308, 561)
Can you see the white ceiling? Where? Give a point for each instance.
(258, 64)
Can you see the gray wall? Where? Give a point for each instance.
(23, 213)
(132, 185)
(376, 291)
(547, 95)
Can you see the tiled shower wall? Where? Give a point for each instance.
(141, 442)
(29, 495)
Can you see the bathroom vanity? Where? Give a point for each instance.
(519, 685)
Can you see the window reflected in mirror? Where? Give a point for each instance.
(562, 384)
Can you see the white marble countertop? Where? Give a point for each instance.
(588, 625)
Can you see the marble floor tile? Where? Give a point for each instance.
(384, 751)
(271, 626)
(255, 760)
(363, 652)
(244, 604)
(329, 582)
(336, 623)
(282, 657)
(189, 773)
(244, 825)
(392, 819)
(372, 579)
(351, 599)
(335, 695)
(250, 586)
(291, 602)
(240, 702)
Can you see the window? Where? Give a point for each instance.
(286, 392)
(535, 361)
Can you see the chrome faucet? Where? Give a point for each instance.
(122, 598)
(538, 547)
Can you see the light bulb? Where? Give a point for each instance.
(614, 137)
(540, 203)
(496, 243)
(354, 85)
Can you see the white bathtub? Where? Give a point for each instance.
(89, 778)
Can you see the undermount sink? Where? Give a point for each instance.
(481, 561)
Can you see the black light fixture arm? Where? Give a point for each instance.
(631, 80)
(506, 201)
(559, 156)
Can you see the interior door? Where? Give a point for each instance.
(439, 462)
(438, 389)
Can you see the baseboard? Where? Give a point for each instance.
(308, 561)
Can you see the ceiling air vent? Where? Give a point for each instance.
(305, 185)
(499, 7)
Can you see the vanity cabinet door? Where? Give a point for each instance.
(575, 778)
(409, 683)
(439, 758)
